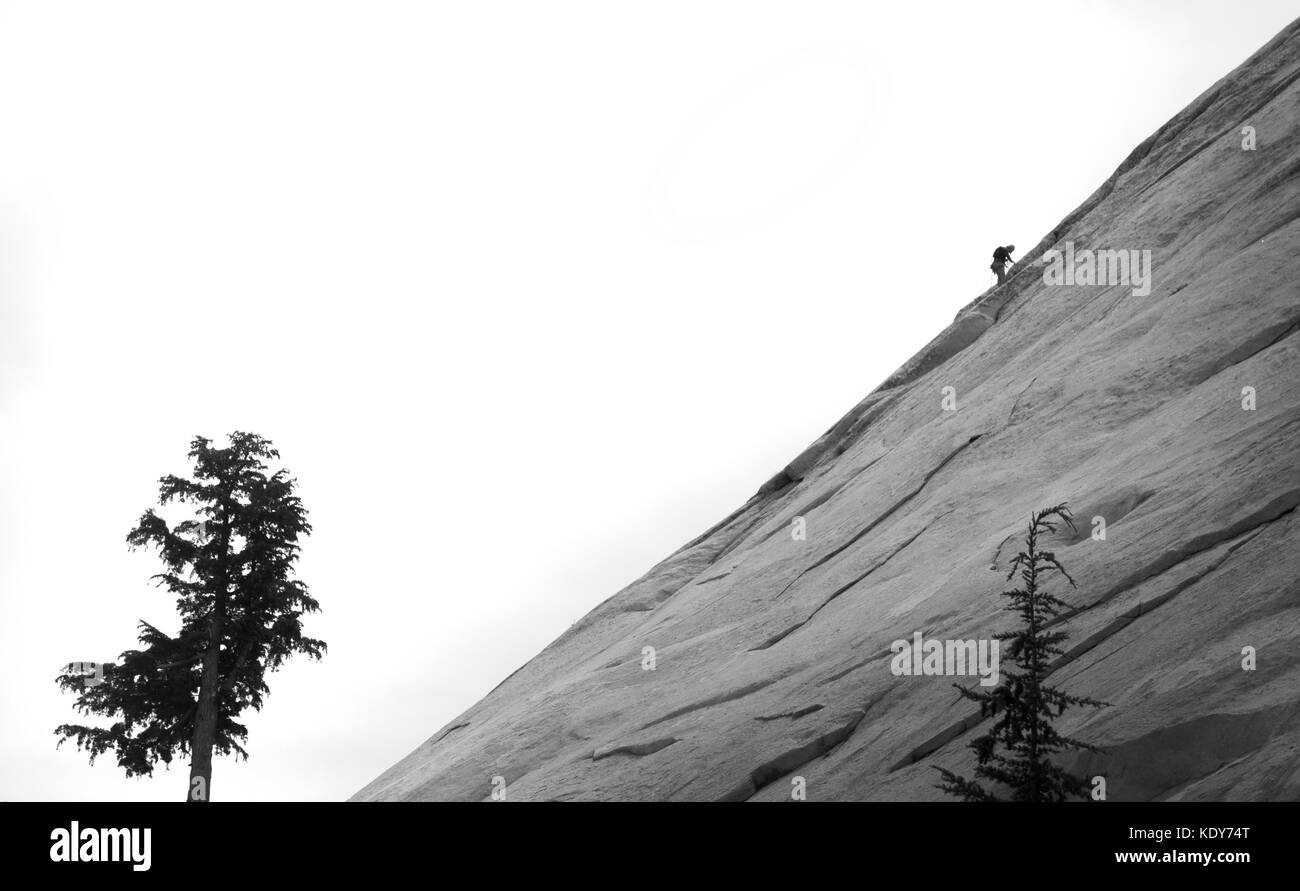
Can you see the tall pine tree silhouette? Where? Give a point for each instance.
(231, 569)
(1016, 751)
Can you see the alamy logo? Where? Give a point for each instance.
(946, 657)
(1103, 267)
(102, 845)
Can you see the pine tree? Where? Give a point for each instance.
(231, 569)
(1016, 751)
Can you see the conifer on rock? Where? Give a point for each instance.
(1015, 754)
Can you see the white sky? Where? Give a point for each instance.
(527, 294)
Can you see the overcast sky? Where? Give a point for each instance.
(527, 294)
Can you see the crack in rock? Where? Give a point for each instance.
(711, 701)
(884, 654)
(884, 516)
(791, 760)
(636, 749)
(1274, 510)
(792, 715)
(449, 731)
(777, 638)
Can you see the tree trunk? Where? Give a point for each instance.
(205, 719)
(1031, 588)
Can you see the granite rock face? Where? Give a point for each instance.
(1174, 416)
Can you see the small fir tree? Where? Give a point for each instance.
(1016, 752)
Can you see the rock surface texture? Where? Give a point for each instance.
(772, 655)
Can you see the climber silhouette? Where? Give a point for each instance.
(1001, 257)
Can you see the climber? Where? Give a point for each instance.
(1001, 257)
